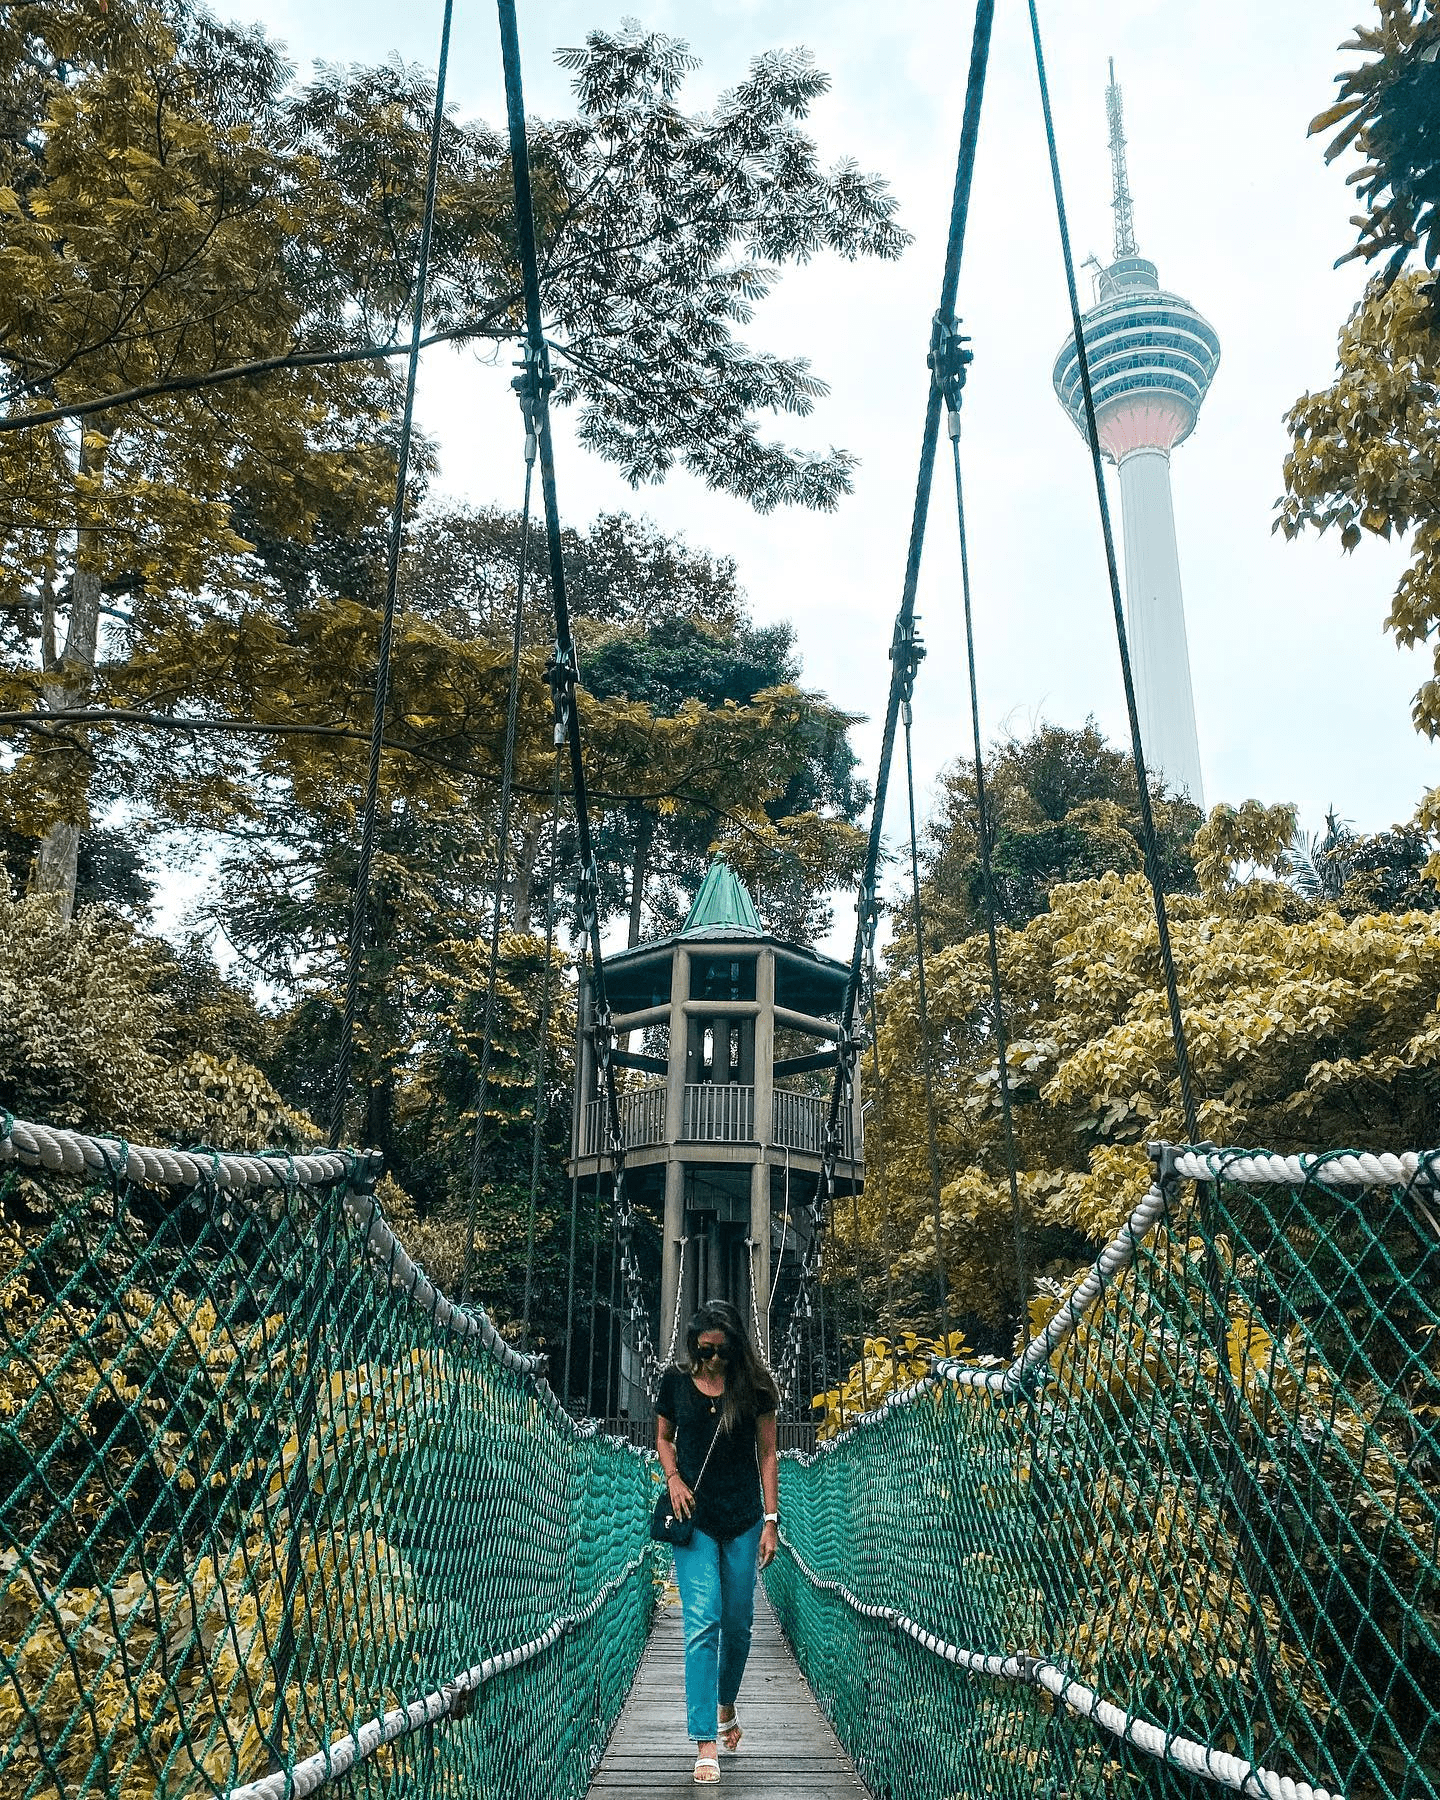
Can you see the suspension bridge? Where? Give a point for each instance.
(279, 1515)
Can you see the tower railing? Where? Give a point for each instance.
(718, 1112)
(799, 1123)
(642, 1119)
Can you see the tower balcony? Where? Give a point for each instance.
(719, 1113)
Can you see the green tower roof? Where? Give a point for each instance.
(723, 907)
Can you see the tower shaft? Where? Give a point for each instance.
(1155, 617)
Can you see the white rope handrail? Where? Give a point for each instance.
(1220, 1766)
(393, 1263)
(1113, 1260)
(58, 1150)
(1009, 1379)
(1347, 1168)
(342, 1753)
(63, 1152)
(1343, 1168)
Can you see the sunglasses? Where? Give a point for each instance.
(709, 1352)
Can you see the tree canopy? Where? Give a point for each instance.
(1306, 1027)
(1063, 807)
(203, 266)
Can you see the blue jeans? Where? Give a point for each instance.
(717, 1597)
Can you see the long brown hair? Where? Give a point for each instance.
(746, 1377)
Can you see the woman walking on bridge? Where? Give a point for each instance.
(715, 1436)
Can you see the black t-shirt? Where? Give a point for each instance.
(727, 1501)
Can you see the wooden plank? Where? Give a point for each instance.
(788, 1747)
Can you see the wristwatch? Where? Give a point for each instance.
(772, 1518)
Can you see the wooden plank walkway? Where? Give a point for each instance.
(788, 1746)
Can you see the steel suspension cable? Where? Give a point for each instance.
(360, 895)
(541, 1049)
(1137, 752)
(594, 1295)
(887, 1242)
(565, 673)
(502, 851)
(859, 1280)
(824, 1353)
(612, 1409)
(570, 1279)
(576, 1128)
(902, 650)
(927, 1064)
(987, 885)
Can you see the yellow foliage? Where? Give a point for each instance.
(887, 1368)
(178, 1397)
(1305, 1028)
(86, 1036)
(1250, 834)
(1362, 455)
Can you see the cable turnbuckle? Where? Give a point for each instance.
(867, 905)
(561, 676)
(907, 652)
(948, 361)
(533, 386)
(587, 897)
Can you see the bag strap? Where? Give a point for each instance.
(706, 1464)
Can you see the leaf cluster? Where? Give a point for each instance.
(1387, 112)
(1363, 458)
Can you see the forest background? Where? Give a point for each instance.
(182, 568)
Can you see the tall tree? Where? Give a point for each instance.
(666, 635)
(153, 225)
(202, 270)
(1063, 807)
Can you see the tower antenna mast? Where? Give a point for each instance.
(1122, 203)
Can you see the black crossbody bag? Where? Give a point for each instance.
(665, 1526)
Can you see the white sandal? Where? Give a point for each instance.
(706, 1762)
(726, 1727)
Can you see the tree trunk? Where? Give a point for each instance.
(69, 680)
(644, 834)
(525, 875)
(380, 1114)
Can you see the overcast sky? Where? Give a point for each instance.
(1299, 694)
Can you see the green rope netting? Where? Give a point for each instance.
(255, 1495)
(1215, 1507)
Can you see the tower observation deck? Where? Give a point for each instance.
(1152, 358)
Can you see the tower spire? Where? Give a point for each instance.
(1122, 203)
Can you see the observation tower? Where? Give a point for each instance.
(1152, 358)
(725, 1109)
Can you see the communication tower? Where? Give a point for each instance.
(1152, 358)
